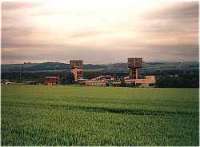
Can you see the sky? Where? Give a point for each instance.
(98, 31)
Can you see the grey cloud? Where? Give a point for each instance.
(15, 36)
(11, 43)
(179, 11)
(180, 17)
(176, 21)
(101, 56)
(88, 55)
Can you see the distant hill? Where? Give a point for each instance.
(117, 67)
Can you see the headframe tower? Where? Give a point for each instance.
(134, 64)
(76, 69)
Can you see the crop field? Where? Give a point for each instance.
(75, 115)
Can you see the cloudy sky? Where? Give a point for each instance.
(99, 31)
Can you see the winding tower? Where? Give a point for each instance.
(134, 64)
(76, 69)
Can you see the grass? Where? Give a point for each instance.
(73, 115)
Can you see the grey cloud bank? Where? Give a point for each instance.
(167, 33)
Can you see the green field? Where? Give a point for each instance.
(73, 115)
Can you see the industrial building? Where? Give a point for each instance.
(134, 78)
(51, 80)
(76, 69)
(100, 81)
(134, 64)
(147, 81)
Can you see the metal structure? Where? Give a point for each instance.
(134, 64)
(77, 69)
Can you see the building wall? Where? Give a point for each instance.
(95, 83)
(146, 81)
(51, 81)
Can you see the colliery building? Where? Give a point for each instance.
(134, 78)
(134, 64)
(100, 81)
(51, 80)
(77, 69)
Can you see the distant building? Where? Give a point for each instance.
(134, 64)
(100, 81)
(51, 80)
(77, 69)
(147, 81)
(95, 83)
(133, 79)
